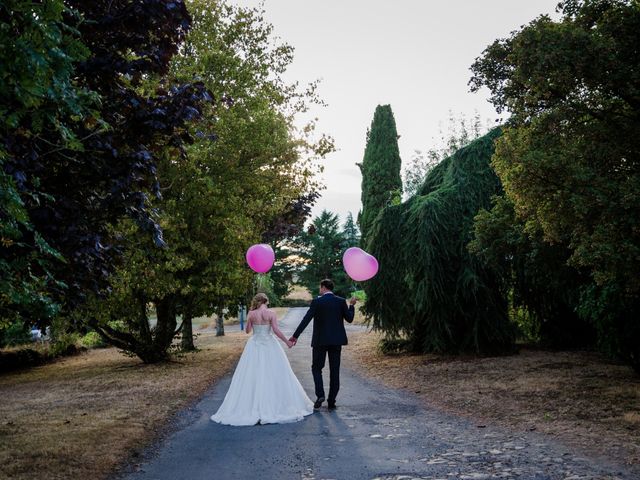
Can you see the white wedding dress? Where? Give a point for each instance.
(264, 389)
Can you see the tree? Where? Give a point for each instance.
(543, 291)
(569, 159)
(81, 139)
(38, 99)
(460, 132)
(281, 234)
(322, 247)
(223, 195)
(433, 294)
(380, 168)
(417, 170)
(350, 232)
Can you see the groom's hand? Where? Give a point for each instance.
(353, 300)
(293, 340)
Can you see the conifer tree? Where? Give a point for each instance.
(432, 294)
(350, 232)
(380, 167)
(322, 248)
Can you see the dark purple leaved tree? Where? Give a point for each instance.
(98, 164)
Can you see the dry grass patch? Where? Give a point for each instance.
(359, 318)
(579, 397)
(299, 292)
(82, 416)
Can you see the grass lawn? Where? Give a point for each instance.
(580, 398)
(82, 416)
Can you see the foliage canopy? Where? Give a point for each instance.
(226, 192)
(80, 141)
(430, 288)
(569, 159)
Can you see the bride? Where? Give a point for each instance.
(263, 389)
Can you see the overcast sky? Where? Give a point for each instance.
(412, 54)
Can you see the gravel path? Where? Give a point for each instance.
(376, 433)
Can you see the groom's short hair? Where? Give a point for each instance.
(328, 284)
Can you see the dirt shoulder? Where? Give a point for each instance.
(579, 398)
(82, 416)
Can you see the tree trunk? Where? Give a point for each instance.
(151, 345)
(143, 318)
(187, 332)
(220, 323)
(164, 332)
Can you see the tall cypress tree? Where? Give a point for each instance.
(381, 181)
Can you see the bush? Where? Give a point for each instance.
(16, 334)
(614, 314)
(93, 340)
(64, 344)
(360, 295)
(17, 358)
(26, 357)
(528, 326)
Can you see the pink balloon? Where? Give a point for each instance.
(260, 257)
(359, 265)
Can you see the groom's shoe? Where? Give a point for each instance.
(318, 403)
(332, 406)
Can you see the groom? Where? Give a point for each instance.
(328, 312)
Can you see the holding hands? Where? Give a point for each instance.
(293, 340)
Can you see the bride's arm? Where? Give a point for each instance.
(249, 323)
(276, 330)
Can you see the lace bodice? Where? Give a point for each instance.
(262, 333)
(260, 330)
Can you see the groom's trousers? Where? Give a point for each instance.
(319, 357)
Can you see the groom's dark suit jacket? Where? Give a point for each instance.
(328, 312)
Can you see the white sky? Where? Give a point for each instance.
(412, 54)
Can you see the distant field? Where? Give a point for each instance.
(299, 293)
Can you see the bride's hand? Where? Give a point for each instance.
(289, 343)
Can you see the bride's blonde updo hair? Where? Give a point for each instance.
(259, 300)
